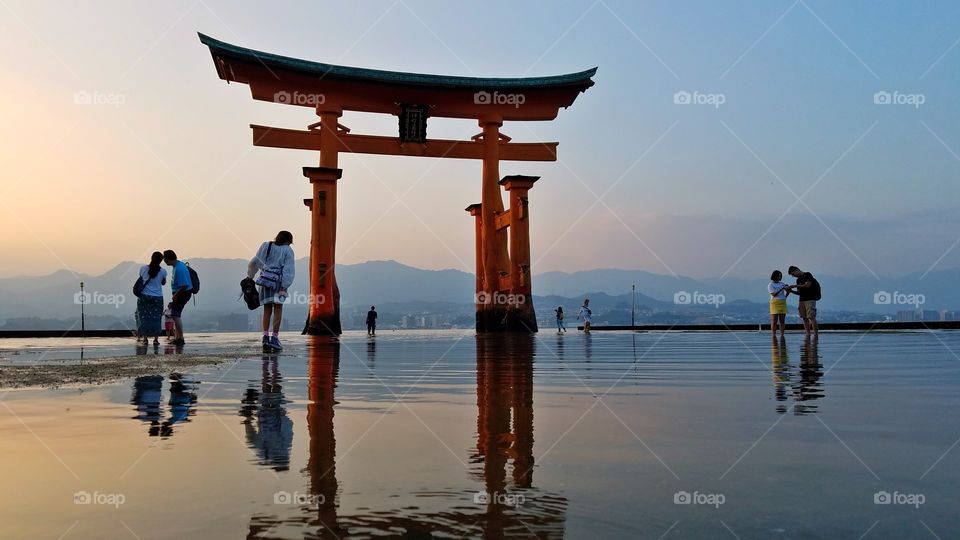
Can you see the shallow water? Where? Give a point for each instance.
(453, 435)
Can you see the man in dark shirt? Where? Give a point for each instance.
(372, 321)
(808, 289)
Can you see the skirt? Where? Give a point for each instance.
(149, 314)
(270, 296)
(778, 307)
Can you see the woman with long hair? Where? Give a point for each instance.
(778, 291)
(150, 302)
(275, 263)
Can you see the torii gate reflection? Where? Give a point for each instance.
(503, 289)
(504, 434)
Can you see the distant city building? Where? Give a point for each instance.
(906, 315)
(929, 315)
(948, 315)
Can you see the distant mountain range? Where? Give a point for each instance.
(396, 284)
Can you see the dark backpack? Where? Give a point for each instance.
(140, 284)
(248, 290)
(195, 279)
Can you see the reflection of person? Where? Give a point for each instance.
(272, 436)
(780, 369)
(778, 303)
(372, 321)
(182, 397)
(146, 399)
(585, 313)
(371, 353)
(808, 289)
(275, 263)
(809, 387)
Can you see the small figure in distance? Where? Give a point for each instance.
(560, 326)
(372, 321)
(585, 313)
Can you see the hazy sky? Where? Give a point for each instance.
(797, 165)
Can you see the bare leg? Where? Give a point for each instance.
(277, 317)
(178, 327)
(816, 329)
(267, 313)
(773, 325)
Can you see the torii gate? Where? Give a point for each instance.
(503, 291)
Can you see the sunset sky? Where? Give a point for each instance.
(797, 165)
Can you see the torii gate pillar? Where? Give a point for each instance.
(521, 315)
(324, 315)
(505, 304)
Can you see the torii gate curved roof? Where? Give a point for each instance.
(373, 90)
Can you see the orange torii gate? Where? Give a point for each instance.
(503, 290)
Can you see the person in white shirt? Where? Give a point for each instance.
(275, 263)
(150, 301)
(585, 313)
(778, 303)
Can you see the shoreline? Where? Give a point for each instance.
(99, 371)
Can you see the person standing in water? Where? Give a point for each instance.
(585, 313)
(275, 263)
(808, 289)
(372, 321)
(560, 326)
(778, 303)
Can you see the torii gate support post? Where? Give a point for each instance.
(475, 210)
(324, 315)
(521, 315)
(492, 314)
